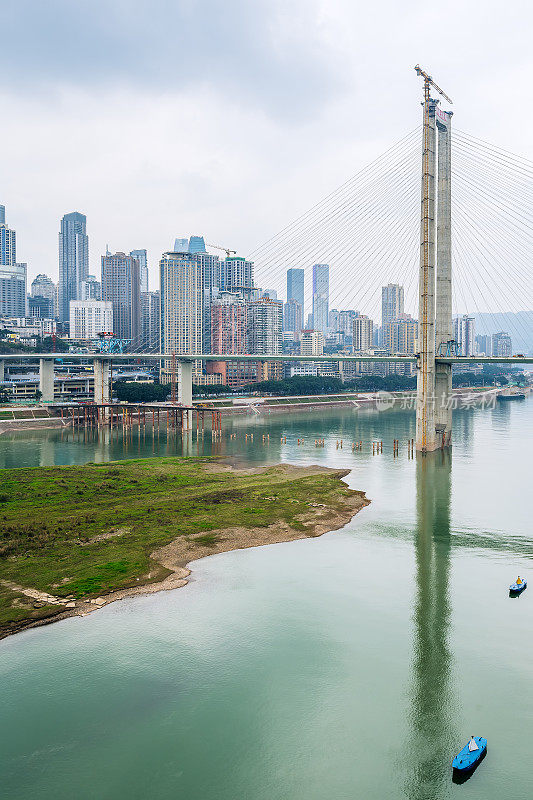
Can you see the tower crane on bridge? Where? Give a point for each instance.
(225, 249)
(428, 81)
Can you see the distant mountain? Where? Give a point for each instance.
(519, 325)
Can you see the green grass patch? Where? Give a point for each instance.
(82, 531)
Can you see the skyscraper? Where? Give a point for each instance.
(181, 304)
(295, 286)
(120, 285)
(391, 302)
(483, 345)
(399, 336)
(264, 322)
(73, 260)
(237, 275)
(320, 297)
(43, 286)
(142, 258)
(292, 316)
(150, 317)
(363, 332)
(197, 244)
(502, 345)
(465, 335)
(12, 275)
(210, 278)
(90, 289)
(228, 324)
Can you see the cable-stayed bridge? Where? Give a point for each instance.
(465, 242)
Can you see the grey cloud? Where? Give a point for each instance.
(256, 52)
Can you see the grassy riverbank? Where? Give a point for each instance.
(70, 535)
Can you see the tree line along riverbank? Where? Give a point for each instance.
(74, 538)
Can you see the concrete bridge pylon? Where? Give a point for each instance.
(433, 411)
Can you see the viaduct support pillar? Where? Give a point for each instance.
(185, 387)
(425, 401)
(443, 313)
(101, 381)
(46, 379)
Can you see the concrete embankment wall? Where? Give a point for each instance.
(376, 401)
(12, 425)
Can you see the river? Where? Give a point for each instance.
(350, 666)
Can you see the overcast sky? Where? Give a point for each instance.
(228, 118)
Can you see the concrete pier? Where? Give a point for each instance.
(46, 379)
(101, 380)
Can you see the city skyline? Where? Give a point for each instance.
(56, 106)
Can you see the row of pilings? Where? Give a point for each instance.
(173, 417)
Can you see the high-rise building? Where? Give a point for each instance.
(229, 335)
(345, 322)
(320, 297)
(12, 275)
(8, 244)
(483, 345)
(502, 345)
(43, 286)
(120, 286)
(210, 277)
(264, 326)
(150, 318)
(464, 329)
(295, 286)
(181, 246)
(40, 307)
(333, 321)
(292, 316)
(73, 261)
(363, 333)
(91, 289)
(197, 244)
(228, 324)
(391, 302)
(181, 304)
(399, 336)
(142, 258)
(237, 275)
(88, 318)
(312, 343)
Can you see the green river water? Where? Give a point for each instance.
(350, 666)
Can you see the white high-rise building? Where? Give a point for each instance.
(391, 302)
(12, 275)
(363, 334)
(320, 297)
(88, 318)
(312, 343)
(465, 335)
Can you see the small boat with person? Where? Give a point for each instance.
(518, 586)
(470, 756)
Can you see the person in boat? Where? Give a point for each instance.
(472, 745)
(518, 581)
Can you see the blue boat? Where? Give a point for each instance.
(516, 588)
(465, 761)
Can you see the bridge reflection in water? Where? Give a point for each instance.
(433, 736)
